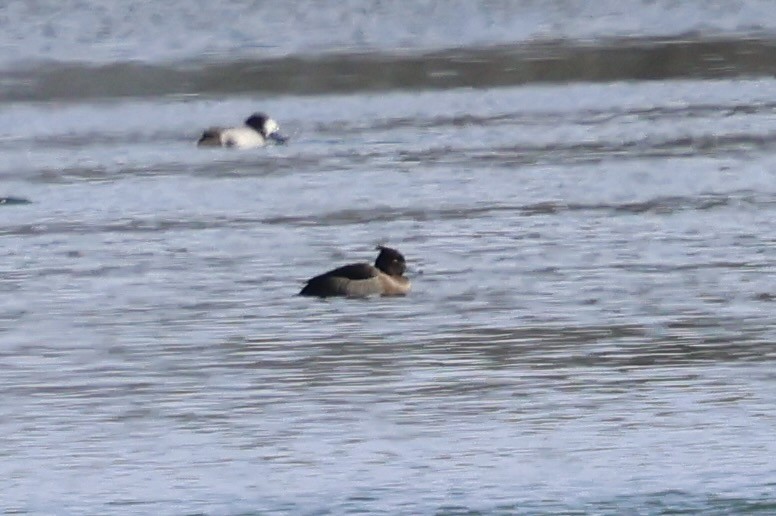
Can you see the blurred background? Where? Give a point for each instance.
(585, 193)
(74, 50)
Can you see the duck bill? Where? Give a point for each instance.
(278, 138)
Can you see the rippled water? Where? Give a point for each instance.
(585, 195)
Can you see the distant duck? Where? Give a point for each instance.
(14, 200)
(258, 129)
(385, 278)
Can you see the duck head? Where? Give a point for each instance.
(267, 127)
(390, 261)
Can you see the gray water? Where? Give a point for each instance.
(585, 195)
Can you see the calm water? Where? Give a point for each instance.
(586, 196)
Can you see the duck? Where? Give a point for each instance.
(384, 278)
(256, 132)
(14, 200)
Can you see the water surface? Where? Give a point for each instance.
(585, 195)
